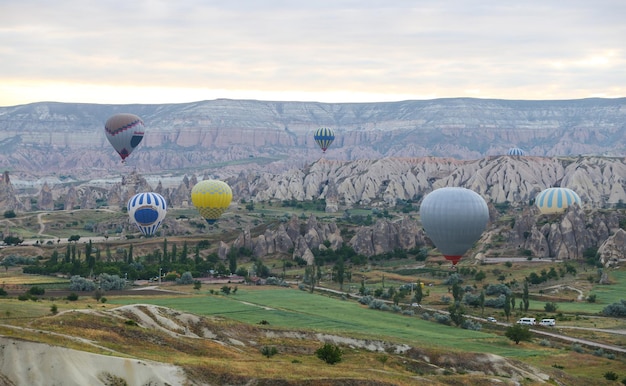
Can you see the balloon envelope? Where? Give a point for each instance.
(124, 132)
(556, 200)
(516, 151)
(147, 210)
(324, 137)
(211, 198)
(454, 218)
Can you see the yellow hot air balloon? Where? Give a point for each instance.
(211, 198)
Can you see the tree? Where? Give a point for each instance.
(419, 294)
(9, 214)
(518, 333)
(232, 261)
(165, 253)
(507, 305)
(480, 276)
(329, 353)
(6, 263)
(184, 253)
(341, 270)
(481, 302)
(12, 240)
(525, 296)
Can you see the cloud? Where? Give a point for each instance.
(357, 49)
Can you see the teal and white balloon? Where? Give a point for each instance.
(556, 200)
(324, 137)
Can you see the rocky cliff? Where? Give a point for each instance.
(68, 139)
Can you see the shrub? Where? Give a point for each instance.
(550, 307)
(443, 319)
(329, 353)
(545, 343)
(616, 309)
(269, 351)
(186, 278)
(497, 289)
(54, 309)
(34, 290)
(469, 324)
(592, 298)
(78, 283)
(577, 348)
(611, 376)
(111, 282)
(3, 292)
(72, 297)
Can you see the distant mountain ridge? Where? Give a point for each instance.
(51, 137)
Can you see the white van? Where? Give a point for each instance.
(547, 322)
(527, 321)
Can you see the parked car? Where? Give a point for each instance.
(491, 319)
(527, 321)
(547, 322)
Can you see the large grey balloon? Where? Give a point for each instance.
(454, 218)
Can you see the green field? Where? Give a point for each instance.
(299, 310)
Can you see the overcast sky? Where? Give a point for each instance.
(162, 51)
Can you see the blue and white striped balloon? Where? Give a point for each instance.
(516, 151)
(147, 210)
(556, 200)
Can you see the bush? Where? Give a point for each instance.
(79, 283)
(111, 282)
(186, 278)
(611, 376)
(54, 309)
(72, 297)
(269, 351)
(443, 319)
(577, 348)
(497, 289)
(550, 307)
(545, 343)
(34, 290)
(329, 353)
(469, 324)
(616, 309)
(3, 292)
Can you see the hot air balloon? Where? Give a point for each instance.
(124, 132)
(324, 137)
(454, 218)
(556, 200)
(211, 198)
(147, 210)
(516, 151)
